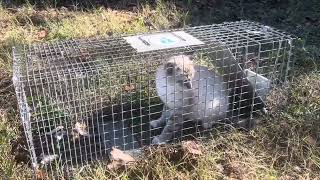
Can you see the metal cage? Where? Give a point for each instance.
(80, 98)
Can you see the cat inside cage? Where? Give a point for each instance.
(193, 92)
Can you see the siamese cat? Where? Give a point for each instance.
(189, 92)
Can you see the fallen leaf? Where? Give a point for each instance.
(310, 164)
(119, 159)
(192, 147)
(41, 34)
(79, 129)
(114, 165)
(129, 87)
(118, 155)
(311, 141)
(40, 175)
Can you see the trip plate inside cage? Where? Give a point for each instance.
(79, 98)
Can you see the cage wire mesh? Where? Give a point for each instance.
(80, 98)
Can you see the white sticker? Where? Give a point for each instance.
(166, 40)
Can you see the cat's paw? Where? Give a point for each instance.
(154, 124)
(206, 125)
(157, 140)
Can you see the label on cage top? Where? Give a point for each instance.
(165, 40)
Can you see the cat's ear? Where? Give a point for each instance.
(190, 55)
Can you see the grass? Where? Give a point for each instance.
(284, 146)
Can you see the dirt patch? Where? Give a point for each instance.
(8, 99)
(8, 111)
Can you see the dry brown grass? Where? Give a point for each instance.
(284, 146)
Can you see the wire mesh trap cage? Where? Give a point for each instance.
(80, 98)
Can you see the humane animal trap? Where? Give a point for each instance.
(80, 98)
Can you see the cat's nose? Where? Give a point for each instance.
(187, 84)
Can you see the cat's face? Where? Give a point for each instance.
(182, 69)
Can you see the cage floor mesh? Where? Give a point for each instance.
(79, 98)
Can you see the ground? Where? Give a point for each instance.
(284, 146)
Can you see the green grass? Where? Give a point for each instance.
(284, 146)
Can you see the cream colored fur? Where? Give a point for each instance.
(189, 92)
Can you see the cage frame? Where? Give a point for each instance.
(25, 113)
